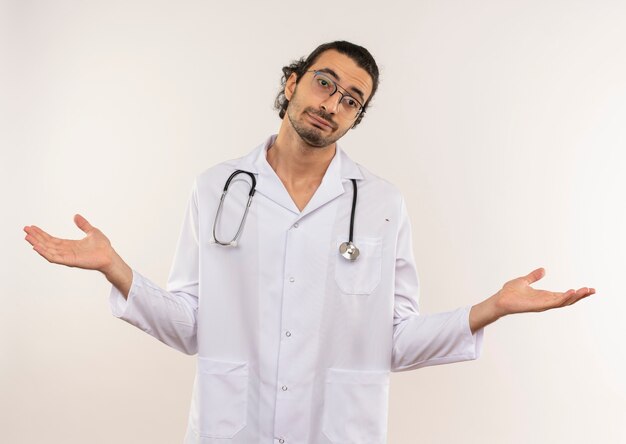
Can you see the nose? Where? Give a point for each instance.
(331, 103)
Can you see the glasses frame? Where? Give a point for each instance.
(343, 94)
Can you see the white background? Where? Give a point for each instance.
(503, 123)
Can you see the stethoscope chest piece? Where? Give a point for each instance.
(349, 251)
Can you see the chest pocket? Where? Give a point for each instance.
(361, 276)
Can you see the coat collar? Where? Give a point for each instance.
(340, 170)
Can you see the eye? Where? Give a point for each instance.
(324, 82)
(350, 102)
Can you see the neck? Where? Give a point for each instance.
(295, 162)
(299, 166)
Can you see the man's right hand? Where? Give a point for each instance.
(93, 252)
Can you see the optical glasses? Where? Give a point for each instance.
(324, 86)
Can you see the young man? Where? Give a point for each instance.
(298, 298)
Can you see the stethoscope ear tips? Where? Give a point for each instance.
(349, 251)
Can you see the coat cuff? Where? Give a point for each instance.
(118, 303)
(475, 341)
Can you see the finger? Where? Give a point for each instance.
(31, 240)
(577, 295)
(584, 292)
(82, 223)
(559, 299)
(39, 234)
(31, 230)
(43, 252)
(567, 297)
(53, 255)
(534, 275)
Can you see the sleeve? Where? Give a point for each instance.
(424, 340)
(170, 315)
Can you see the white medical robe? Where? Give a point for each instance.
(295, 343)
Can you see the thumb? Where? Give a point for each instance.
(82, 223)
(534, 275)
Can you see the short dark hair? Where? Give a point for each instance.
(359, 54)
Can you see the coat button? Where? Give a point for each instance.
(284, 388)
(296, 225)
(292, 279)
(288, 334)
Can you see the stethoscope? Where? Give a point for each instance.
(347, 249)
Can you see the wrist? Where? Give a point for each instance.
(498, 310)
(115, 269)
(118, 273)
(484, 313)
(109, 266)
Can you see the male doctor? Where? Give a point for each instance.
(296, 336)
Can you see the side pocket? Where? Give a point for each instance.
(355, 406)
(222, 393)
(361, 276)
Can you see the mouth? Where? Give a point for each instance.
(323, 124)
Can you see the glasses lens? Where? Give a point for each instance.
(349, 106)
(323, 84)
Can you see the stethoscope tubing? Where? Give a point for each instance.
(233, 241)
(353, 210)
(347, 249)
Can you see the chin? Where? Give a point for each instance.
(311, 135)
(314, 141)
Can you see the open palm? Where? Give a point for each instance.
(517, 296)
(93, 252)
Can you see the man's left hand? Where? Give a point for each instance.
(517, 296)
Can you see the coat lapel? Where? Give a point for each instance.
(339, 172)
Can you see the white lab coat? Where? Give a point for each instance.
(295, 343)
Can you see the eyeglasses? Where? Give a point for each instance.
(324, 86)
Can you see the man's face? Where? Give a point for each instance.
(316, 117)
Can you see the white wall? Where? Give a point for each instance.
(503, 122)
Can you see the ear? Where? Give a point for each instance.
(290, 85)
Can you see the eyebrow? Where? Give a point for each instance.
(352, 88)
